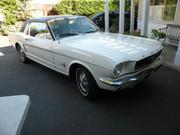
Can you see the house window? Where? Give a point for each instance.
(157, 2)
(169, 10)
(163, 9)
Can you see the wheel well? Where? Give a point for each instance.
(72, 71)
(73, 67)
(17, 45)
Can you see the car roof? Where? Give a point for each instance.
(48, 18)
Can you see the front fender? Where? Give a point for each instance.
(80, 63)
(96, 71)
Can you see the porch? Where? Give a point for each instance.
(148, 14)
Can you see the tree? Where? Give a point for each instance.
(8, 9)
(79, 7)
(87, 7)
(23, 10)
(83, 7)
(127, 4)
(14, 10)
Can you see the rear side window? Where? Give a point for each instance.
(23, 27)
(39, 30)
(99, 21)
(114, 23)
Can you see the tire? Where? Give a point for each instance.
(22, 55)
(86, 83)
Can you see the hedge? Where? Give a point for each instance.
(82, 7)
(8, 9)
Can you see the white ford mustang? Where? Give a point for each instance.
(74, 46)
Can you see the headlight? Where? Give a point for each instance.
(117, 70)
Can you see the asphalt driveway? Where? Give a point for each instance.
(152, 108)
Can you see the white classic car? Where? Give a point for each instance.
(74, 46)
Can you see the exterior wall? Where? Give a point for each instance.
(36, 10)
(177, 15)
(44, 1)
(155, 19)
(152, 25)
(41, 7)
(47, 8)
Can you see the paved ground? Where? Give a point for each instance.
(58, 109)
(4, 41)
(169, 53)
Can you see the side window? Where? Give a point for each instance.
(99, 21)
(114, 23)
(39, 30)
(23, 27)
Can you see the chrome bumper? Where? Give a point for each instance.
(129, 80)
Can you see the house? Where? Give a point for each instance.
(152, 14)
(161, 12)
(41, 7)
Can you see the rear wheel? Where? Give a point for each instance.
(22, 55)
(86, 83)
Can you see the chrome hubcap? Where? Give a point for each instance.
(22, 55)
(83, 82)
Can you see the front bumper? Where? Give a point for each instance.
(129, 80)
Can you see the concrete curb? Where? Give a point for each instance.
(171, 66)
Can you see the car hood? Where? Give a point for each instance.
(116, 47)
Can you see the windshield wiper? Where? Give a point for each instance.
(92, 31)
(69, 34)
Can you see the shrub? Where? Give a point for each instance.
(14, 11)
(8, 8)
(83, 7)
(156, 34)
(5, 29)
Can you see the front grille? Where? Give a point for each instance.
(146, 61)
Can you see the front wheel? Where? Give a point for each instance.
(86, 83)
(22, 55)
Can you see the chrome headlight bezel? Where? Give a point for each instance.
(118, 70)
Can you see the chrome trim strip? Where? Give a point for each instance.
(38, 47)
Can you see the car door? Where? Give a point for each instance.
(38, 43)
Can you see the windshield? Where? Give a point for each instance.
(65, 27)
